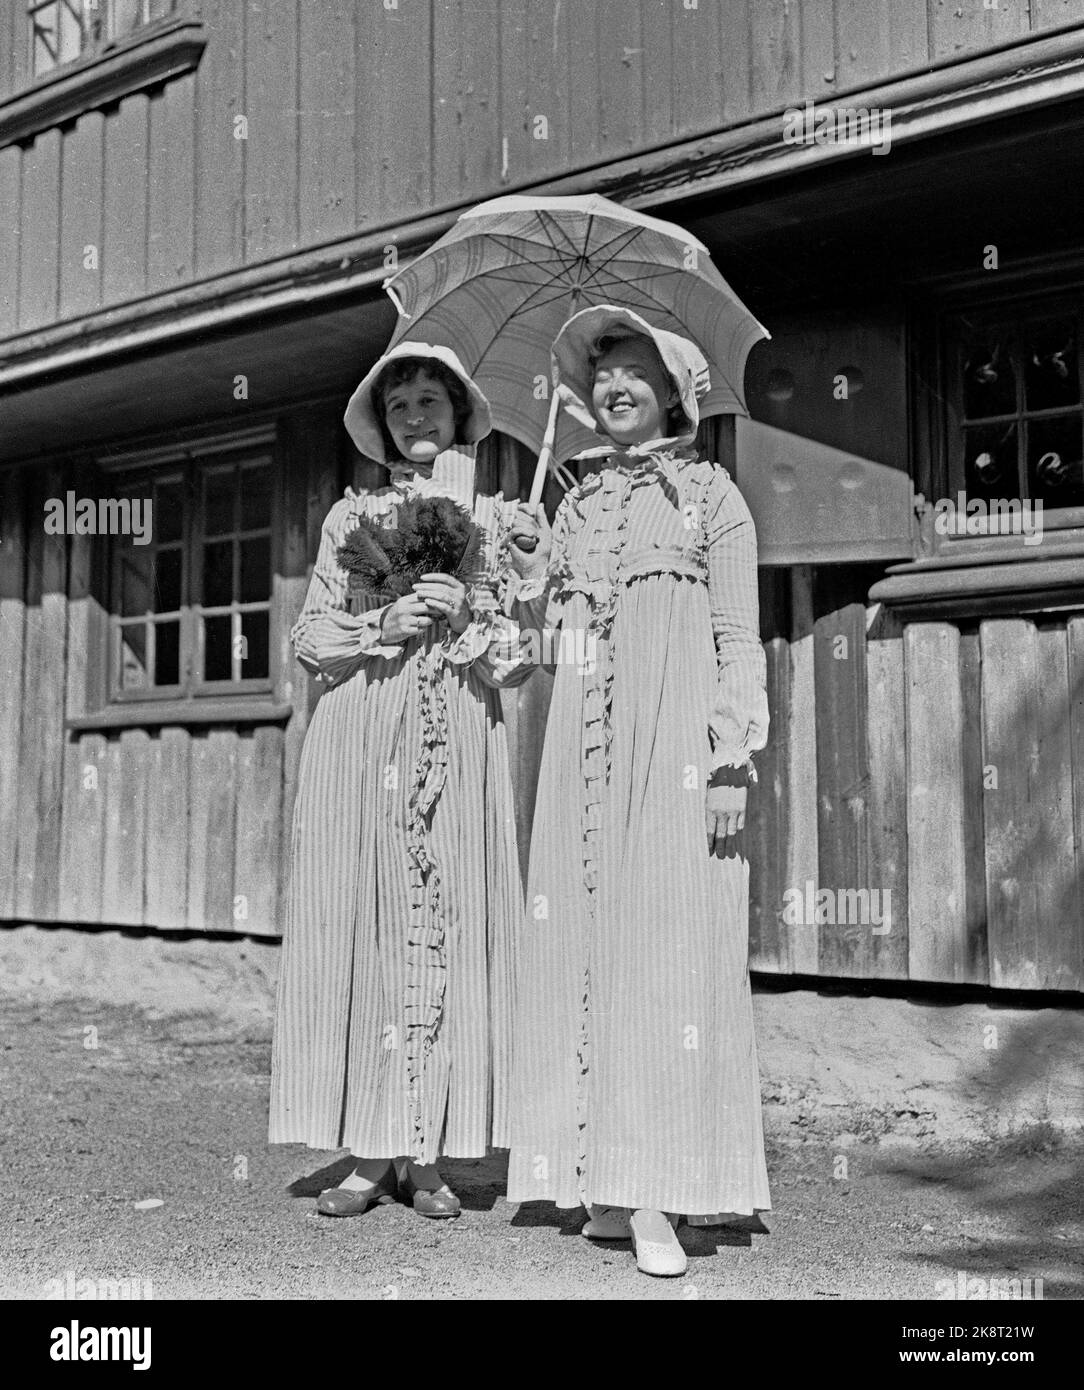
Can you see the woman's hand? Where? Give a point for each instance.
(404, 619)
(532, 540)
(446, 598)
(725, 810)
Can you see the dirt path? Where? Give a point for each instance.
(175, 1110)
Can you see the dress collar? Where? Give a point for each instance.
(656, 458)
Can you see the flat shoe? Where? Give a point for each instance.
(439, 1205)
(344, 1201)
(607, 1223)
(658, 1250)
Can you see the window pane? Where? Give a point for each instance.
(218, 491)
(216, 648)
(989, 379)
(168, 574)
(255, 497)
(256, 569)
(990, 461)
(217, 574)
(1050, 367)
(167, 653)
(1054, 461)
(158, 9)
(254, 629)
(168, 511)
(133, 657)
(136, 578)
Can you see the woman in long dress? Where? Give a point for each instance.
(394, 1003)
(635, 1070)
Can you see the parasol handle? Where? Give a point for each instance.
(545, 457)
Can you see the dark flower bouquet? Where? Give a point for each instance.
(431, 535)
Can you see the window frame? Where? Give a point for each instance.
(98, 43)
(934, 394)
(193, 695)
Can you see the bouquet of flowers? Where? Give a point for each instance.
(431, 535)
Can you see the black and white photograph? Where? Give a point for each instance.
(542, 665)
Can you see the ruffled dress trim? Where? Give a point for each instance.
(426, 956)
(601, 580)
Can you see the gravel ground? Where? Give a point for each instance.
(174, 1110)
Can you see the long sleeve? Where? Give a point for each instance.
(493, 646)
(329, 640)
(529, 600)
(738, 726)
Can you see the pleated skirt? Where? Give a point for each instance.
(347, 1070)
(635, 1071)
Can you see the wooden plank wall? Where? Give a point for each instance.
(950, 772)
(360, 116)
(941, 762)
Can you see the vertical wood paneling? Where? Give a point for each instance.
(212, 814)
(168, 830)
(709, 68)
(81, 203)
(220, 164)
(584, 106)
(660, 79)
(41, 754)
(819, 58)
(466, 116)
(10, 198)
(82, 866)
(258, 866)
(520, 99)
(13, 578)
(968, 28)
(885, 703)
(271, 174)
(394, 137)
(84, 774)
(878, 37)
(767, 831)
(1030, 862)
(171, 229)
(1073, 921)
(127, 769)
(546, 85)
(800, 735)
(39, 253)
(937, 889)
(1052, 14)
(776, 54)
(621, 63)
(977, 962)
(328, 161)
(124, 251)
(839, 660)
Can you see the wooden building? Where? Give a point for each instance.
(199, 201)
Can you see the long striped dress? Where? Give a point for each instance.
(392, 1031)
(635, 1072)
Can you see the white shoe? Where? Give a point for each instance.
(658, 1250)
(607, 1223)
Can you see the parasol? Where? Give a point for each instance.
(498, 286)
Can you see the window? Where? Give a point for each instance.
(190, 609)
(1015, 405)
(63, 31)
